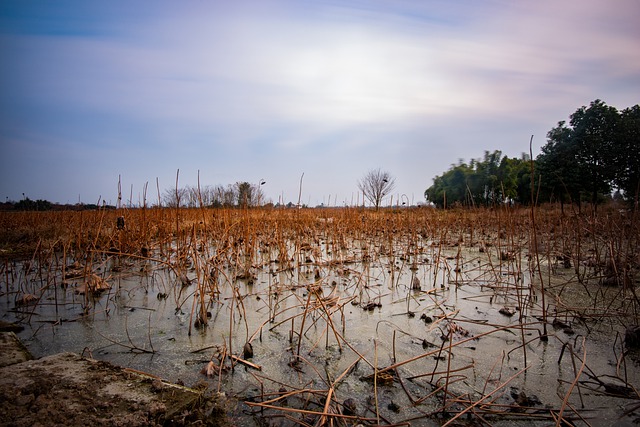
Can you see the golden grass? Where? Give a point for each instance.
(221, 247)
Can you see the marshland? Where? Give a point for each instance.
(345, 316)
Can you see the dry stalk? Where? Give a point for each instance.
(560, 420)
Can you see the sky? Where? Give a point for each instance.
(96, 93)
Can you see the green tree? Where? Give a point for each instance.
(558, 166)
(490, 167)
(627, 146)
(594, 132)
(598, 150)
(522, 172)
(508, 179)
(245, 194)
(493, 180)
(450, 188)
(27, 204)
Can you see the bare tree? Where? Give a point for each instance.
(191, 196)
(239, 194)
(376, 184)
(175, 198)
(228, 195)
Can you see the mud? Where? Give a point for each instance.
(69, 390)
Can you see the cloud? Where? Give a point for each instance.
(350, 84)
(255, 68)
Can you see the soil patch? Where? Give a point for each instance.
(67, 389)
(11, 350)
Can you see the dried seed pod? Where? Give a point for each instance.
(247, 352)
(426, 319)
(506, 311)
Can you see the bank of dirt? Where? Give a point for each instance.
(69, 390)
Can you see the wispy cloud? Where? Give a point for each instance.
(349, 83)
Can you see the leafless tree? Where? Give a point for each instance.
(227, 195)
(191, 196)
(175, 198)
(376, 184)
(238, 194)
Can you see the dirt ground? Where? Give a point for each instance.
(69, 390)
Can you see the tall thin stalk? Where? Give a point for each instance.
(534, 234)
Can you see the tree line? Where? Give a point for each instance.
(483, 182)
(27, 204)
(240, 194)
(592, 158)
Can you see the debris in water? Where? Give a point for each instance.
(26, 300)
(632, 337)
(610, 281)
(184, 280)
(209, 370)
(426, 344)
(370, 306)
(521, 398)
(559, 324)
(383, 378)
(350, 406)
(620, 390)
(506, 311)
(95, 284)
(247, 352)
(507, 256)
(426, 319)
(296, 364)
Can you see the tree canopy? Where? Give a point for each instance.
(27, 204)
(595, 153)
(483, 182)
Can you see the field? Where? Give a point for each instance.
(413, 316)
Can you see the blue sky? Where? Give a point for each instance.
(251, 90)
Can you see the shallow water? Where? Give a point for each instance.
(447, 334)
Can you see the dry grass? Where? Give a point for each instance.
(588, 265)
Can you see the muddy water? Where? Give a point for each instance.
(451, 319)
